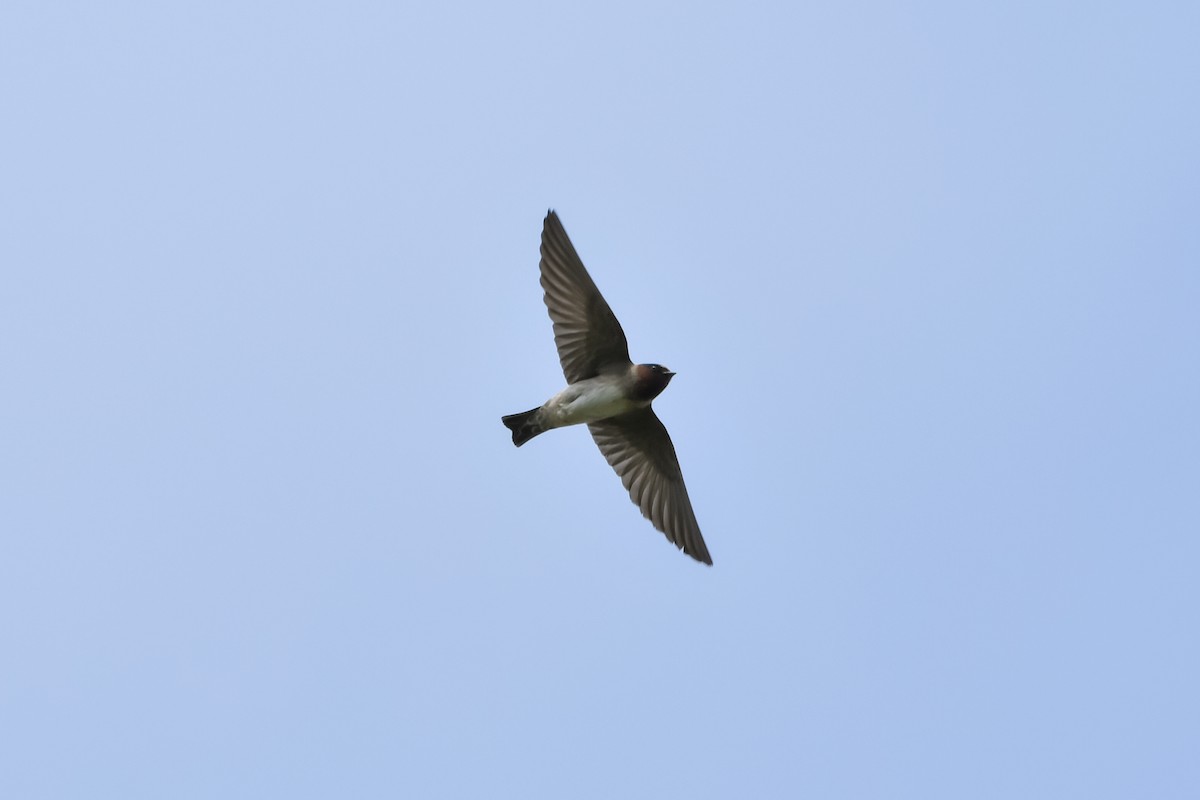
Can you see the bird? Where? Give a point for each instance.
(609, 393)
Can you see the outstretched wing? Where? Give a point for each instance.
(587, 334)
(638, 447)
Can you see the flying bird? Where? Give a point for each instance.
(610, 394)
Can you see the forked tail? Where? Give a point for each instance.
(524, 426)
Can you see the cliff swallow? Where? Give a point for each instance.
(610, 394)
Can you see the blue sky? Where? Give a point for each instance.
(929, 275)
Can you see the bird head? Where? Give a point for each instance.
(650, 380)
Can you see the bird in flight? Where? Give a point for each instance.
(610, 394)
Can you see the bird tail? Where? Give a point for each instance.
(524, 426)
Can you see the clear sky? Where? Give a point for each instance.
(929, 274)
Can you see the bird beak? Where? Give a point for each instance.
(670, 374)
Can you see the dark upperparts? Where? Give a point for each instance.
(650, 380)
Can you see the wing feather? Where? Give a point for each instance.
(586, 332)
(639, 449)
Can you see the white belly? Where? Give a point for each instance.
(588, 401)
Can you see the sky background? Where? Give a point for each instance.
(929, 274)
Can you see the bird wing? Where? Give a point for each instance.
(586, 331)
(638, 447)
